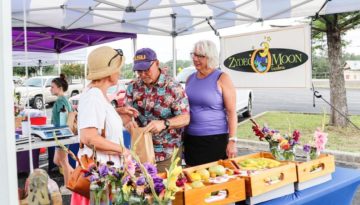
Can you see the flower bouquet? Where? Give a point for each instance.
(102, 177)
(314, 148)
(282, 147)
(134, 182)
(144, 185)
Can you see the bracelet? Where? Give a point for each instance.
(234, 139)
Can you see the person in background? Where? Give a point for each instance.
(58, 87)
(99, 124)
(162, 105)
(211, 134)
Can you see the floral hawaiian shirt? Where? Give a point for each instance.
(163, 100)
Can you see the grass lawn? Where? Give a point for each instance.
(343, 139)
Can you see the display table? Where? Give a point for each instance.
(23, 157)
(23, 164)
(40, 143)
(339, 191)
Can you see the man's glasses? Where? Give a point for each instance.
(193, 55)
(145, 71)
(119, 52)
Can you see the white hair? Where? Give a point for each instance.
(208, 49)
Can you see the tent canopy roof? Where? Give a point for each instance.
(53, 40)
(166, 17)
(33, 58)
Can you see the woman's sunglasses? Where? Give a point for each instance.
(119, 52)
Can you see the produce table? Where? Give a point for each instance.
(339, 191)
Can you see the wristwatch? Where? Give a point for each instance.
(234, 139)
(167, 124)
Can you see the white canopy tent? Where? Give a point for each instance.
(160, 17)
(167, 17)
(47, 58)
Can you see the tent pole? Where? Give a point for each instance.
(58, 63)
(174, 55)
(134, 40)
(85, 74)
(27, 88)
(174, 34)
(26, 72)
(8, 174)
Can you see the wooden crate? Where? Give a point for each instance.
(235, 188)
(326, 163)
(256, 184)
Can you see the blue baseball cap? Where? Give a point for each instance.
(143, 58)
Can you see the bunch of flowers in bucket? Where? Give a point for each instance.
(104, 185)
(144, 185)
(282, 147)
(314, 148)
(105, 179)
(133, 182)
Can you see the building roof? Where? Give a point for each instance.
(352, 65)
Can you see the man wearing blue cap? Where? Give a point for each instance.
(162, 105)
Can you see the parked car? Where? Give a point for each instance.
(244, 97)
(116, 93)
(17, 80)
(37, 91)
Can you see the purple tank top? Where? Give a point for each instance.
(207, 110)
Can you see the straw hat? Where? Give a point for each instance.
(98, 63)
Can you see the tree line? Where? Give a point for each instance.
(78, 70)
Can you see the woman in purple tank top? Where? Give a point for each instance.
(211, 134)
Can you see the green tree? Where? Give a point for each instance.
(179, 63)
(351, 56)
(33, 70)
(320, 66)
(127, 72)
(73, 70)
(333, 26)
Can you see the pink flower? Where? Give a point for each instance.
(320, 139)
(130, 164)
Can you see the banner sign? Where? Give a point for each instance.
(273, 58)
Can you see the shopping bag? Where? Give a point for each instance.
(142, 144)
(78, 182)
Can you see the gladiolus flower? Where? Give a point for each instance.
(320, 140)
